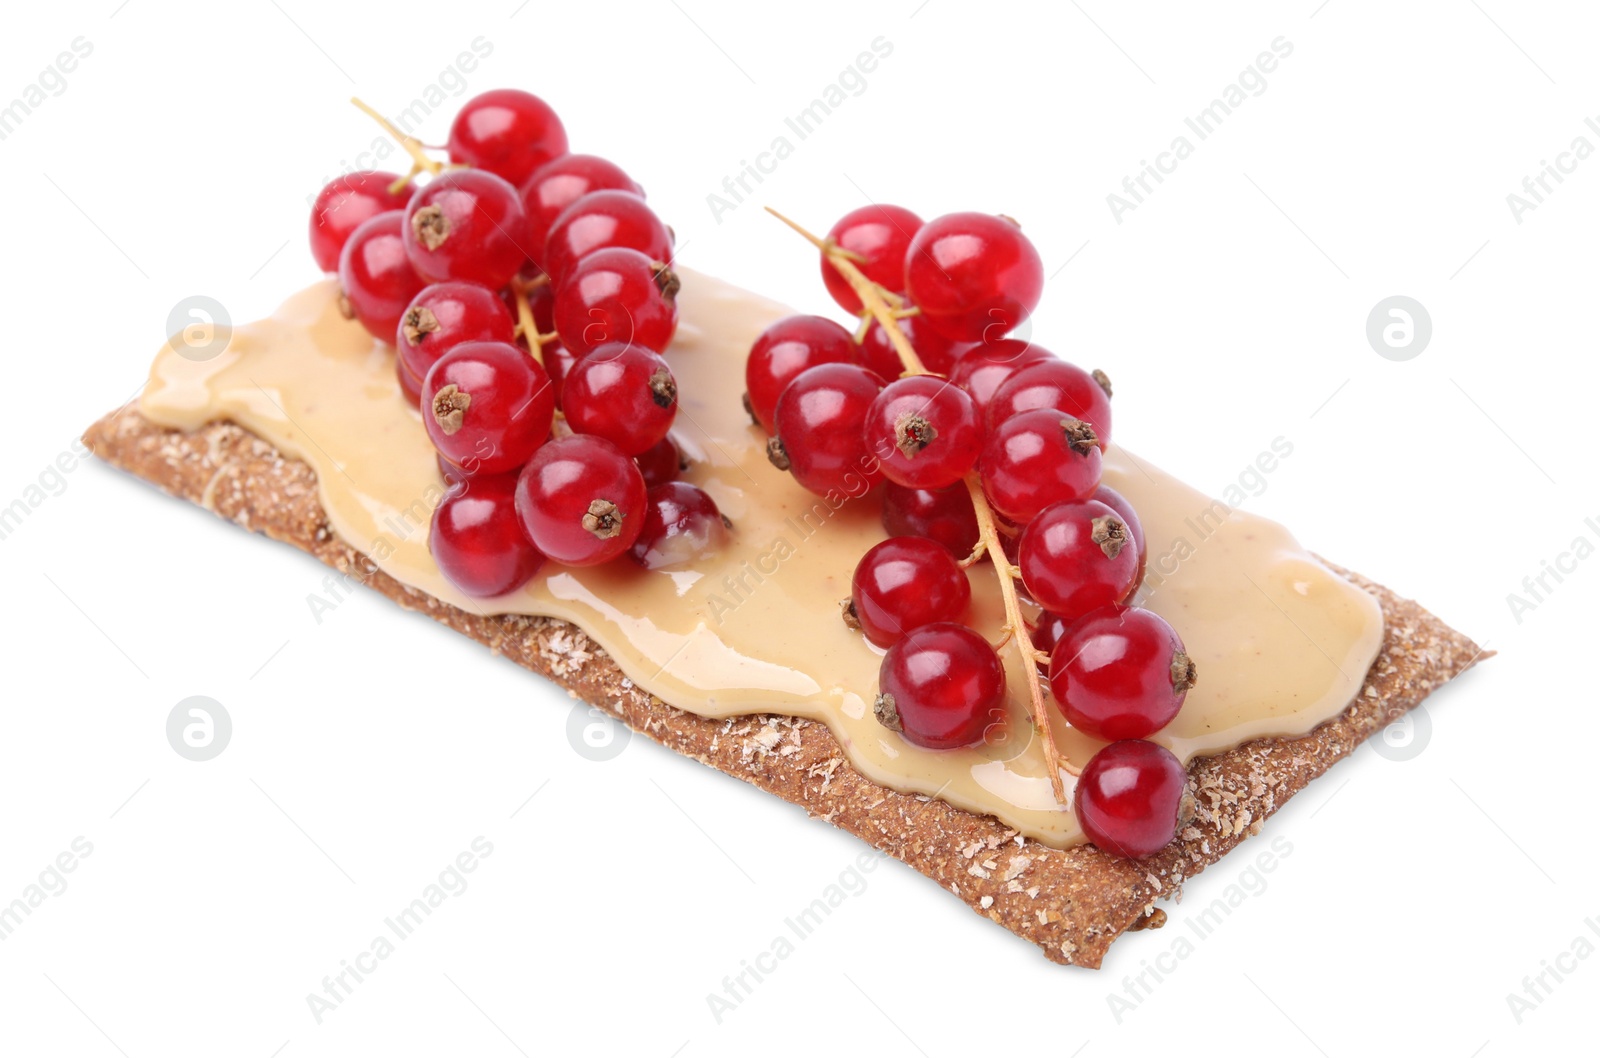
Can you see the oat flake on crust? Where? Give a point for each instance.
(1072, 903)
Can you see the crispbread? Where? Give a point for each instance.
(1073, 903)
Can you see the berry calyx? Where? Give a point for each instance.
(682, 525)
(487, 406)
(1128, 798)
(478, 540)
(624, 393)
(973, 275)
(903, 583)
(507, 132)
(877, 236)
(376, 276)
(1036, 459)
(941, 515)
(560, 182)
(782, 352)
(1120, 672)
(343, 205)
(924, 431)
(1076, 557)
(819, 420)
(444, 315)
(1119, 503)
(941, 687)
(467, 224)
(617, 295)
(1059, 385)
(581, 500)
(596, 221)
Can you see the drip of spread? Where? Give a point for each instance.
(1281, 643)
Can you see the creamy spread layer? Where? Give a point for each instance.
(1281, 642)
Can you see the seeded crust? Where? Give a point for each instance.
(1072, 903)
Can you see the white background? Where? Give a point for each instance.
(371, 748)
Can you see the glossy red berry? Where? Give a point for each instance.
(660, 463)
(376, 275)
(1076, 557)
(784, 350)
(944, 516)
(941, 687)
(973, 275)
(444, 315)
(878, 235)
(410, 384)
(508, 132)
(1056, 384)
(938, 354)
(467, 224)
(581, 500)
(598, 220)
(903, 583)
(558, 361)
(984, 368)
(624, 393)
(478, 540)
(487, 406)
(924, 431)
(1120, 672)
(617, 295)
(1046, 632)
(819, 420)
(1128, 797)
(560, 182)
(343, 205)
(682, 525)
(1036, 459)
(1119, 503)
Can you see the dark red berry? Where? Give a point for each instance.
(444, 315)
(1036, 459)
(558, 361)
(598, 220)
(941, 687)
(478, 540)
(878, 235)
(560, 182)
(617, 295)
(819, 420)
(487, 406)
(410, 385)
(903, 583)
(944, 516)
(681, 526)
(938, 354)
(343, 205)
(1076, 557)
(660, 463)
(624, 393)
(1128, 797)
(467, 224)
(973, 275)
(508, 132)
(1055, 384)
(1120, 672)
(784, 350)
(983, 368)
(924, 431)
(581, 500)
(376, 275)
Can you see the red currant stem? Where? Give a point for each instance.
(420, 162)
(988, 532)
(864, 327)
(526, 327)
(1015, 628)
(549, 336)
(906, 314)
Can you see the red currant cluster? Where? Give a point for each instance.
(989, 447)
(528, 297)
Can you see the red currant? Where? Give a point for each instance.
(783, 351)
(560, 182)
(342, 206)
(924, 431)
(681, 526)
(1117, 502)
(941, 687)
(944, 516)
(1056, 384)
(558, 361)
(938, 354)
(541, 300)
(478, 540)
(974, 276)
(598, 220)
(985, 367)
(624, 393)
(444, 315)
(660, 463)
(617, 295)
(487, 406)
(1036, 459)
(903, 583)
(410, 384)
(467, 224)
(1076, 557)
(1120, 672)
(819, 421)
(878, 236)
(1128, 798)
(376, 275)
(581, 500)
(1047, 631)
(508, 132)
